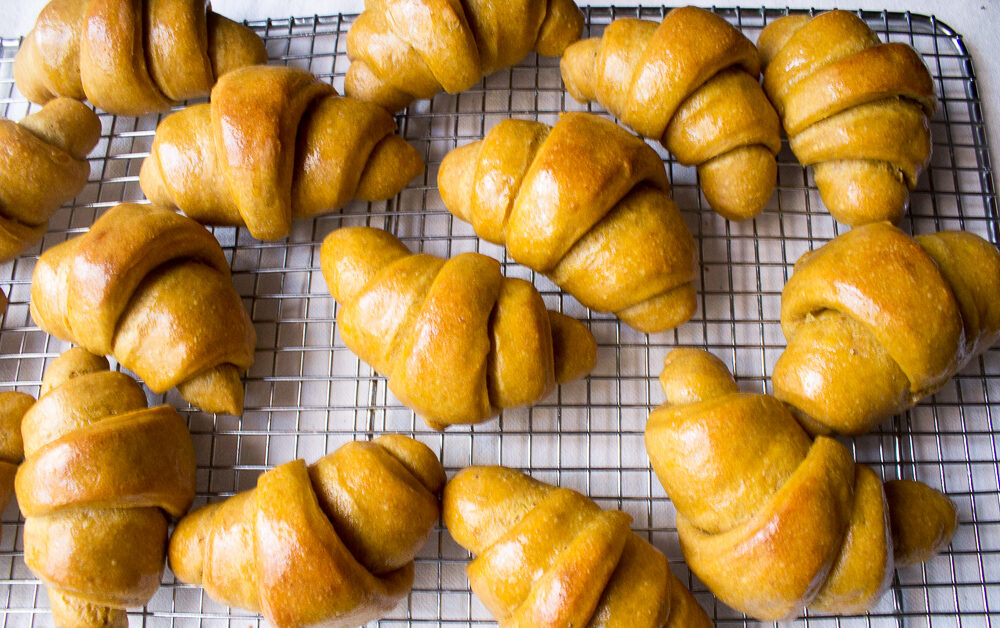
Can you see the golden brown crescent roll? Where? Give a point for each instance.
(458, 341)
(330, 544)
(275, 144)
(690, 83)
(548, 556)
(153, 289)
(102, 473)
(586, 203)
(131, 57)
(855, 109)
(13, 405)
(42, 165)
(876, 320)
(402, 50)
(771, 520)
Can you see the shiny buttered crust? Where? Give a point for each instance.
(402, 50)
(855, 109)
(599, 223)
(547, 556)
(131, 57)
(42, 165)
(274, 144)
(458, 341)
(153, 289)
(691, 83)
(876, 320)
(102, 472)
(769, 519)
(331, 543)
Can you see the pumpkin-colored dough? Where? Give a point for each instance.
(402, 50)
(599, 223)
(153, 289)
(458, 341)
(332, 543)
(769, 519)
(876, 320)
(855, 109)
(690, 83)
(102, 473)
(274, 144)
(131, 57)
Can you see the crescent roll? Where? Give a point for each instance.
(690, 83)
(131, 57)
(854, 109)
(275, 144)
(402, 50)
(330, 544)
(458, 341)
(548, 556)
(102, 474)
(876, 320)
(771, 520)
(42, 165)
(153, 289)
(586, 203)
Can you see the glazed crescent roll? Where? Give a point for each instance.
(13, 405)
(131, 57)
(330, 544)
(153, 289)
(771, 520)
(690, 83)
(458, 341)
(854, 109)
(42, 165)
(102, 474)
(876, 320)
(403, 50)
(275, 144)
(548, 556)
(587, 204)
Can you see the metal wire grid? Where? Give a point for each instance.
(307, 394)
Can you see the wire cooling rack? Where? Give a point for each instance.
(306, 393)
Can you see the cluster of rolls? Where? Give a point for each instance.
(760, 485)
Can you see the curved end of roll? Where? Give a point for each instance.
(218, 389)
(28, 81)
(562, 26)
(48, 289)
(69, 610)
(75, 362)
(578, 69)
(418, 459)
(455, 179)
(662, 312)
(350, 257)
(859, 192)
(151, 181)
(67, 124)
(481, 503)
(693, 375)
(232, 45)
(738, 184)
(393, 163)
(362, 83)
(574, 349)
(13, 406)
(923, 521)
(186, 551)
